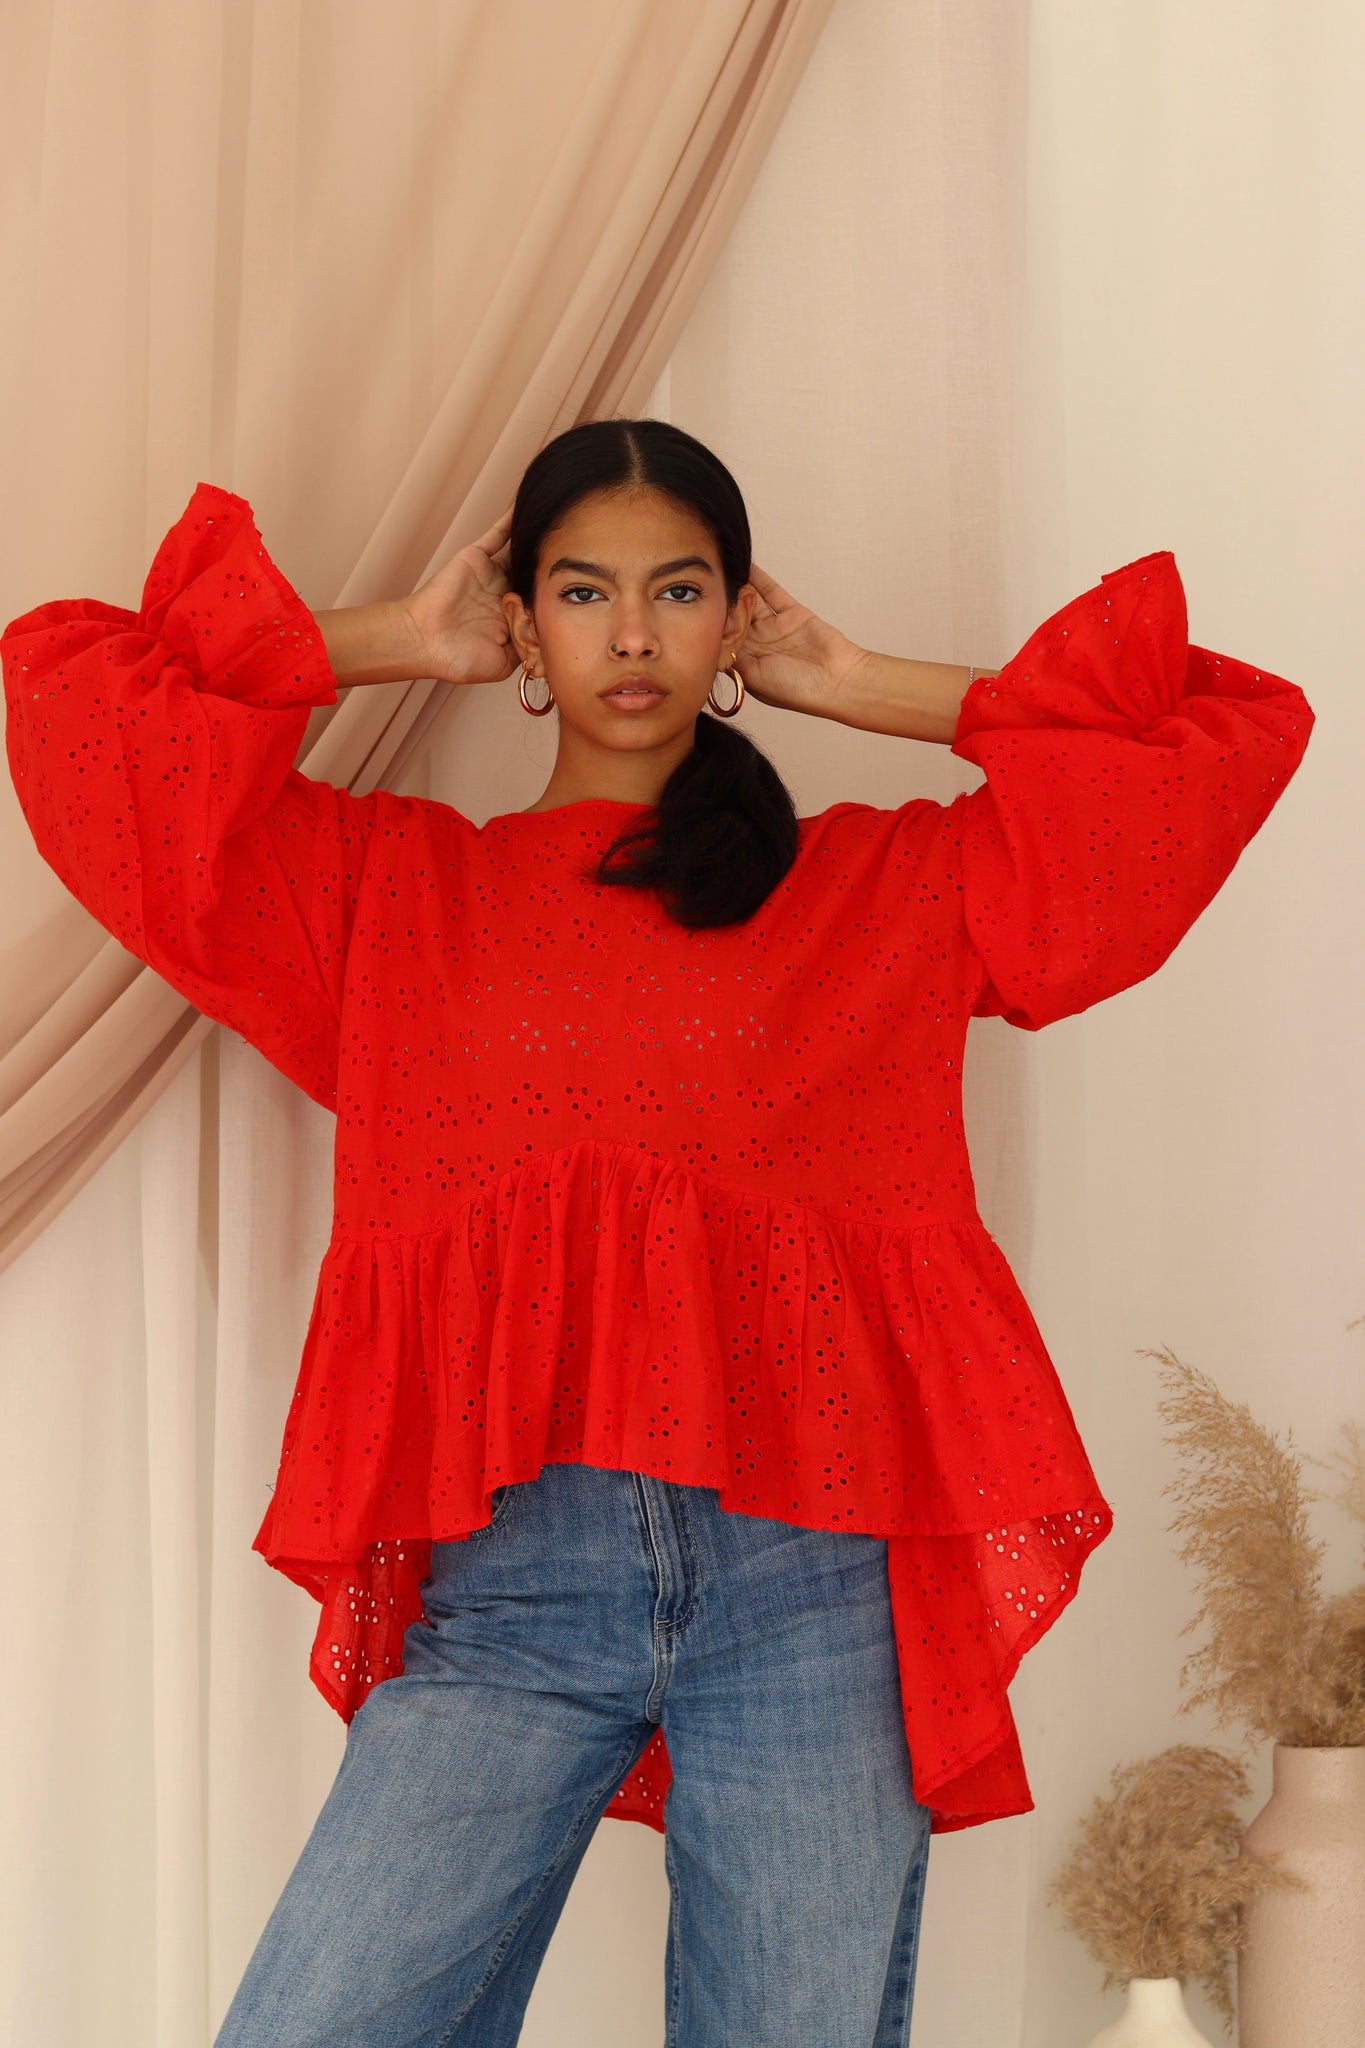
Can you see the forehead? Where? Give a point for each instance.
(629, 529)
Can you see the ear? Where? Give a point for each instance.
(522, 627)
(737, 622)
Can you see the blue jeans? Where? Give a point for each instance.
(595, 1605)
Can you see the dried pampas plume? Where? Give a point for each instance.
(1279, 1658)
(1349, 1468)
(1155, 1886)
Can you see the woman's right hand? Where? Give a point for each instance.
(457, 618)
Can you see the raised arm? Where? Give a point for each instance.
(451, 628)
(153, 751)
(794, 659)
(1126, 770)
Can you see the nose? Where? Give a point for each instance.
(633, 634)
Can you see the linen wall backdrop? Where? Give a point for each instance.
(1014, 297)
(356, 264)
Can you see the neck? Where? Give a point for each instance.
(583, 773)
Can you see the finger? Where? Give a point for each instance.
(769, 590)
(497, 535)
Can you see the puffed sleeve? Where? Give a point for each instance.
(1125, 772)
(152, 753)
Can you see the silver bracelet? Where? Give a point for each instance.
(971, 677)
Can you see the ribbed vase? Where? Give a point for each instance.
(1301, 1973)
(1154, 2017)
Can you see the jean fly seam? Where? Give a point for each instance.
(663, 1671)
(597, 1799)
(676, 1497)
(661, 1630)
(691, 1569)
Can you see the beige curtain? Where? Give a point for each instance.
(356, 264)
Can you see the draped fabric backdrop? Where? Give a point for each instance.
(1016, 294)
(341, 291)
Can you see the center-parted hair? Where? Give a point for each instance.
(724, 831)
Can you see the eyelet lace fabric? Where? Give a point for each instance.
(606, 1190)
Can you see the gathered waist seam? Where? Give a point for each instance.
(705, 1184)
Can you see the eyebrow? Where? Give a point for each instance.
(664, 568)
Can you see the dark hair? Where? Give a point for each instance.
(724, 831)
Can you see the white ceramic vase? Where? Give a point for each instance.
(1154, 2017)
(1301, 1973)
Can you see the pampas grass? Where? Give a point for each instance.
(1349, 1466)
(1280, 1658)
(1155, 1886)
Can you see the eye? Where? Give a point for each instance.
(572, 592)
(688, 591)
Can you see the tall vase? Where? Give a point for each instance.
(1301, 1972)
(1154, 2017)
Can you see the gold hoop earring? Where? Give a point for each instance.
(536, 710)
(738, 681)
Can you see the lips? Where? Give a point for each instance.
(634, 686)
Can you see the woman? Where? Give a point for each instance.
(669, 1427)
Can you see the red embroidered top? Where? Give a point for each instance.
(614, 1192)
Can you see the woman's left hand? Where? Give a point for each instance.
(790, 657)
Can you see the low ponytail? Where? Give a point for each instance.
(723, 835)
(724, 831)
